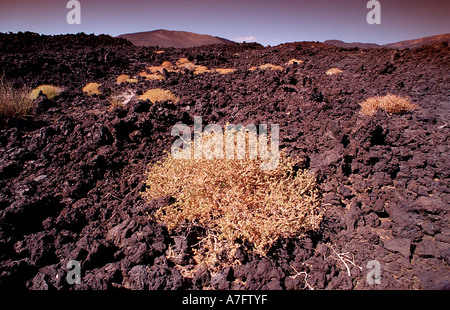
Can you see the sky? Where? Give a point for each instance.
(269, 22)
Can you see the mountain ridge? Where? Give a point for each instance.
(171, 38)
(413, 43)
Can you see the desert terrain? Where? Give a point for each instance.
(72, 170)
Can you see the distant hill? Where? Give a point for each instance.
(398, 45)
(169, 38)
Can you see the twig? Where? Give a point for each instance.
(306, 278)
(344, 258)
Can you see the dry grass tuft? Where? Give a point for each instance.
(266, 67)
(160, 52)
(92, 89)
(122, 99)
(294, 61)
(152, 76)
(225, 70)
(158, 94)
(122, 78)
(49, 90)
(14, 103)
(334, 71)
(235, 201)
(389, 103)
(201, 70)
(182, 61)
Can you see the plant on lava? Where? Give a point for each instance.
(235, 202)
(389, 103)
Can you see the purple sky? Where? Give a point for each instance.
(269, 22)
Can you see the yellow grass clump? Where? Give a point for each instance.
(334, 71)
(92, 89)
(158, 94)
(122, 78)
(182, 61)
(160, 52)
(235, 201)
(201, 70)
(49, 90)
(152, 76)
(14, 103)
(389, 103)
(266, 67)
(294, 61)
(188, 66)
(225, 70)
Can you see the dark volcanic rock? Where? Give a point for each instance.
(70, 179)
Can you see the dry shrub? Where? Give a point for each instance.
(201, 70)
(294, 61)
(158, 94)
(122, 78)
(152, 76)
(120, 100)
(389, 103)
(235, 201)
(131, 81)
(188, 66)
(225, 71)
(92, 89)
(14, 103)
(182, 61)
(334, 71)
(266, 67)
(48, 90)
(167, 65)
(160, 52)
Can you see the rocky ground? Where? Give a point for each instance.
(70, 179)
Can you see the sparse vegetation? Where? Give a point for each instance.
(267, 66)
(235, 202)
(389, 103)
(48, 90)
(122, 99)
(122, 78)
(225, 70)
(201, 70)
(334, 71)
(294, 61)
(92, 89)
(14, 103)
(158, 94)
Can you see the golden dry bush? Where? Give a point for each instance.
(334, 71)
(152, 76)
(389, 103)
(92, 89)
(225, 70)
(49, 90)
(182, 61)
(167, 65)
(267, 66)
(188, 66)
(158, 94)
(122, 78)
(294, 61)
(131, 81)
(14, 103)
(160, 52)
(235, 200)
(201, 69)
